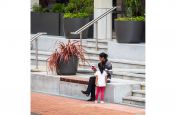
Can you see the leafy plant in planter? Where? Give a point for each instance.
(58, 8)
(77, 14)
(65, 58)
(48, 20)
(131, 28)
(39, 9)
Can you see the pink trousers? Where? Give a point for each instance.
(98, 91)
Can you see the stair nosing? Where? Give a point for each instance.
(138, 91)
(133, 98)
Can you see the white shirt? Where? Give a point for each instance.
(101, 78)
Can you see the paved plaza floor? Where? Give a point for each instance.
(44, 104)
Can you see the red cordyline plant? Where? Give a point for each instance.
(64, 51)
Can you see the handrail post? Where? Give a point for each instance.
(96, 25)
(36, 52)
(81, 39)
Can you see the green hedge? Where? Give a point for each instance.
(76, 15)
(56, 8)
(138, 18)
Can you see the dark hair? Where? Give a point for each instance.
(101, 67)
(103, 55)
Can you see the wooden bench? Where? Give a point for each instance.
(78, 80)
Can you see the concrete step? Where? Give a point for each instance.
(100, 42)
(117, 63)
(41, 61)
(44, 54)
(101, 48)
(138, 93)
(132, 105)
(94, 53)
(93, 61)
(119, 74)
(129, 76)
(120, 63)
(135, 71)
(134, 100)
(116, 74)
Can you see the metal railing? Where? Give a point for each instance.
(35, 37)
(95, 21)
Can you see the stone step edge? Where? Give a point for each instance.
(132, 62)
(133, 98)
(94, 40)
(139, 91)
(49, 53)
(106, 41)
(92, 46)
(114, 69)
(119, 73)
(132, 105)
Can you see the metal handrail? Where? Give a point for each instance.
(35, 37)
(95, 21)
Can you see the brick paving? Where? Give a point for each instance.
(44, 104)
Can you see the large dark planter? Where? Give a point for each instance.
(73, 24)
(46, 22)
(129, 31)
(67, 68)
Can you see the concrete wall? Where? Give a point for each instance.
(134, 52)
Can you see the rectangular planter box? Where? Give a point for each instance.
(130, 31)
(46, 22)
(73, 24)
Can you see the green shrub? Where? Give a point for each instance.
(79, 9)
(37, 8)
(138, 18)
(45, 10)
(133, 8)
(76, 15)
(58, 8)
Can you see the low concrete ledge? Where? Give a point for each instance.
(71, 86)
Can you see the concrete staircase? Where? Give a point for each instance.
(122, 68)
(137, 97)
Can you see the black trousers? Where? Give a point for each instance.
(91, 86)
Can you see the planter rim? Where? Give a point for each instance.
(128, 21)
(70, 57)
(76, 18)
(47, 12)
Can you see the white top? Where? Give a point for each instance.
(101, 78)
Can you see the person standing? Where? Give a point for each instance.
(100, 82)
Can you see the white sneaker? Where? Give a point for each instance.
(101, 101)
(96, 101)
